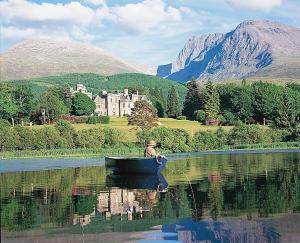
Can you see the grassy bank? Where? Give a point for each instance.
(130, 150)
(129, 132)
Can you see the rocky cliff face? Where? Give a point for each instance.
(254, 48)
(44, 57)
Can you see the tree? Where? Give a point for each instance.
(143, 115)
(24, 100)
(83, 105)
(173, 109)
(63, 93)
(8, 106)
(242, 102)
(193, 100)
(51, 106)
(211, 101)
(286, 112)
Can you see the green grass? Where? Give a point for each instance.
(129, 132)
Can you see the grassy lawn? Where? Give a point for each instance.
(129, 132)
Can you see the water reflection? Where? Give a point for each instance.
(219, 198)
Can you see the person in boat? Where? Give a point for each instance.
(150, 151)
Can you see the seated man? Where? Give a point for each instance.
(150, 151)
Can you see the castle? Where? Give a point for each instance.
(112, 104)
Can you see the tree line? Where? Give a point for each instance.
(231, 104)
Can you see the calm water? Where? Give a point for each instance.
(210, 198)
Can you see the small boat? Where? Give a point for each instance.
(137, 181)
(121, 165)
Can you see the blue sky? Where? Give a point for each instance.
(150, 32)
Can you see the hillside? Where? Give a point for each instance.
(44, 57)
(95, 83)
(253, 49)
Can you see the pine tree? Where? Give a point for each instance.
(173, 109)
(193, 100)
(211, 101)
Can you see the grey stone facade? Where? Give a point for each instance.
(116, 104)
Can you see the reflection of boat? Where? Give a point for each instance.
(150, 181)
(121, 165)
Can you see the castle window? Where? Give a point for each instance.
(111, 100)
(124, 105)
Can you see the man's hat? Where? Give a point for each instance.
(151, 143)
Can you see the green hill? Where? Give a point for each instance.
(95, 83)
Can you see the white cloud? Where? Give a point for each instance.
(22, 12)
(96, 2)
(260, 5)
(146, 15)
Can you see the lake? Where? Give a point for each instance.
(243, 197)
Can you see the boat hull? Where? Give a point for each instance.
(121, 165)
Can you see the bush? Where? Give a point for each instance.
(181, 118)
(47, 138)
(104, 119)
(26, 138)
(91, 138)
(4, 123)
(200, 116)
(9, 139)
(203, 141)
(229, 118)
(93, 120)
(80, 119)
(112, 136)
(175, 140)
(249, 134)
(67, 133)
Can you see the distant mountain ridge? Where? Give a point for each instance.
(255, 48)
(45, 57)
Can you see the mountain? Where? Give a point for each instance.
(255, 48)
(44, 57)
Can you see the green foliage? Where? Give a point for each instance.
(8, 105)
(203, 141)
(288, 110)
(200, 116)
(112, 136)
(211, 101)
(229, 118)
(193, 100)
(26, 137)
(181, 118)
(9, 138)
(249, 134)
(47, 138)
(173, 109)
(24, 99)
(175, 140)
(67, 133)
(104, 119)
(83, 105)
(85, 205)
(143, 115)
(93, 120)
(52, 105)
(91, 138)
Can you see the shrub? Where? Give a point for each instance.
(91, 138)
(104, 119)
(200, 116)
(9, 138)
(67, 133)
(209, 140)
(229, 118)
(112, 136)
(4, 123)
(26, 138)
(93, 120)
(176, 140)
(47, 138)
(181, 118)
(81, 119)
(249, 134)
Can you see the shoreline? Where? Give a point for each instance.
(85, 153)
(37, 164)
